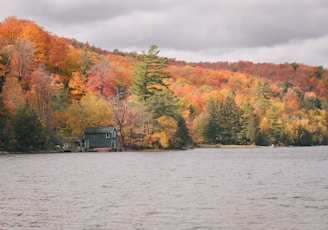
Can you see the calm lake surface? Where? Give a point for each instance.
(252, 188)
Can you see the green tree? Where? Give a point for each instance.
(253, 129)
(28, 128)
(163, 103)
(262, 96)
(319, 71)
(181, 136)
(210, 128)
(6, 132)
(229, 121)
(275, 122)
(149, 74)
(294, 65)
(150, 86)
(249, 122)
(305, 137)
(284, 86)
(312, 103)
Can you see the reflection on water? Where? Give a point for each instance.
(257, 188)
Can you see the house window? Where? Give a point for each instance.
(114, 133)
(107, 135)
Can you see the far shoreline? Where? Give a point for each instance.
(201, 146)
(228, 146)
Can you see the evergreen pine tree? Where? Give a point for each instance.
(149, 74)
(249, 121)
(211, 126)
(229, 118)
(29, 131)
(149, 84)
(163, 103)
(181, 137)
(6, 132)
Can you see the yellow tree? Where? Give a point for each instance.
(90, 111)
(167, 128)
(77, 85)
(319, 124)
(292, 131)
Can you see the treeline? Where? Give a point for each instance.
(52, 88)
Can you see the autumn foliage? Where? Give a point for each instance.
(68, 86)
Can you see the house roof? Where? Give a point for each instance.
(107, 129)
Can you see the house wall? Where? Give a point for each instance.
(98, 140)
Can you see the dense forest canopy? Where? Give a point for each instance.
(52, 88)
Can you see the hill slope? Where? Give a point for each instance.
(71, 85)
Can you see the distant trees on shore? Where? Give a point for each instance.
(53, 88)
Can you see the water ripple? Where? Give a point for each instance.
(196, 189)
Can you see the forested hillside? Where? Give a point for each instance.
(52, 88)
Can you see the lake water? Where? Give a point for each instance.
(253, 188)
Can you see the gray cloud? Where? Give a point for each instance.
(209, 30)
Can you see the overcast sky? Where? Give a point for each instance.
(275, 31)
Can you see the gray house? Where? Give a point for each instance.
(100, 139)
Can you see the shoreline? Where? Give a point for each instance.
(229, 146)
(217, 146)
